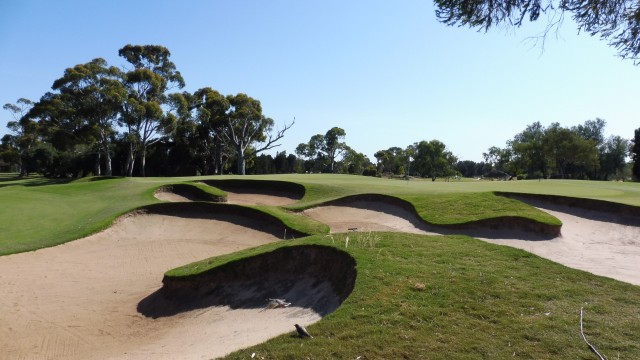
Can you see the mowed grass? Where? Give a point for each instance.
(433, 297)
(37, 212)
(454, 297)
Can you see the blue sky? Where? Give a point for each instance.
(386, 72)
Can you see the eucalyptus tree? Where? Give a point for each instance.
(568, 152)
(24, 133)
(212, 110)
(333, 146)
(527, 146)
(635, 154)
(152, 75)
(432, 159)
(613, 156)
(354, 162)
(392, 160)
(324, 149)
(248, 130)
(616, 21)
(95, 93)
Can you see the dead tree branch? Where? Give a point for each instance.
(591, 347)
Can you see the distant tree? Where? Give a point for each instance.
(153, 74)
(24, 134)
(323, 148)
(566, 150)
(468, 168)
(528, 148)
(391, 160)
(207, 109)
(247, 126)
(94, 93)
(635, 154)
(432, 159)
(615, 21)
(333, 146)
(354, 162)
(592, 130)
(613, 155)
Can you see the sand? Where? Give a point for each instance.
(590, 241)
(79, 300)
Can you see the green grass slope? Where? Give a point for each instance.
(37, 212)
(455, 297)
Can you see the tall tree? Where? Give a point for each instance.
(635, 154)
(333, 146)
(617, 21)
(24, 132)
(527, 146)
(153, 74)
(95, 93)
(432, 159)
(208, 109)
(567, 150)
(613, 155)
(247, 126)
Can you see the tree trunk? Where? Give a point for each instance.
(241, 160)
(96, 168)
(108, 170)
(143, 158)
(131, 159)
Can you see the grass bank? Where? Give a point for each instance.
(37, 212)
(456, 297)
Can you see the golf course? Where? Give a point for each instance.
(374, 268)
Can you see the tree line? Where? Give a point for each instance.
(101, 120)
(578, 152)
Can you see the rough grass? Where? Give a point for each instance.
(459, 298)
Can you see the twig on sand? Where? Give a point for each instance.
(591, 347)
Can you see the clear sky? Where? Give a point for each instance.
(386, 72)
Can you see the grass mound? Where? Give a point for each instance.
(421, 296)
(297, 273)
(194, 191)
(268, 187)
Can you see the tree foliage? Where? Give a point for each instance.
(322, 151)
(616, 21)
(579, 152)
(635, 154)
(97, 114)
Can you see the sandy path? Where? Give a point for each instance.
(600, 246)
(79, 300)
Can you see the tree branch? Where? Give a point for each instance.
(591, 347)
(270, 141)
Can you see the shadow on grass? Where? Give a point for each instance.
(17, 180)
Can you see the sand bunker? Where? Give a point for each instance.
(80, 300)
(590, 241)
(101, 297)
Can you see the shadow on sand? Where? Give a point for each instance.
(299, 274)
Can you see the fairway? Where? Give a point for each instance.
(109, 300)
